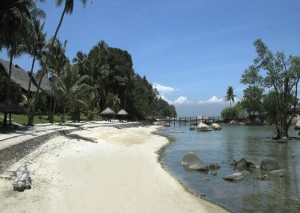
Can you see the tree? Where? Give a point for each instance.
(281, 76)
(15, 21)
(234, 113)
(68, 9)
(230, 95)
(71, 90)
(56, 63)
(252, 100)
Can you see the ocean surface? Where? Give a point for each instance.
(278, 194)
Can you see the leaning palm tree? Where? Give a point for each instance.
(68, 9)
(35, 46)
(230, 95)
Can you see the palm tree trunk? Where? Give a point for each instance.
(64, 113)
(29, 86)
(9, 72)
(30, 80)
(30, 122)
(8, 83)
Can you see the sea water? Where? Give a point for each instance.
(278, 194)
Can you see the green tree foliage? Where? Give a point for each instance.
(280, 75)
(71, 90)
(234, 113)
(68, 9)
(252, 102)
(111, 73)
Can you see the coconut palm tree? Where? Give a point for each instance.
(71, 90)
(68, 9)
(230, 95)
(15, 21)
(56, 63)
(35, 45)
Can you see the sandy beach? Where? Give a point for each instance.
(100, 170)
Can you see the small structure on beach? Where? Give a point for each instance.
(122, 114)
(107, 113)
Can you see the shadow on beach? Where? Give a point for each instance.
(79, 137)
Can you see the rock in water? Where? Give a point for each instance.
(216, 126)
(235, 176)
(193, 162)
(245, 163)
(22, 180)
(269, 164)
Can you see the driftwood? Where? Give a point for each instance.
(22, 180)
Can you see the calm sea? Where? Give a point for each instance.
(279, 194)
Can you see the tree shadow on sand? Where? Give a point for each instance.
(79, 137)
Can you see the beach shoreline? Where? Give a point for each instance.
(103, 169)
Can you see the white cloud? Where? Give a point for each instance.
(163, 89)
(166, 99)
(182, 100)
(212, 100)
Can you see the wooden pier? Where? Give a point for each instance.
(189, 120)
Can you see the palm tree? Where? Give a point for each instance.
(35, 45)
(68, 9)
(230, 95)
(70, 89)
(15, 19)
(56, 63)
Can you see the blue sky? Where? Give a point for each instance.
(190, 50)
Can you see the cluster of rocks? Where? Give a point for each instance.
(193, 162)
(202, 127)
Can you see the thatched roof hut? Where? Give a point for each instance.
(11, 106)
(45, 84)
(122, 112)
(18, 75)
(107, 111)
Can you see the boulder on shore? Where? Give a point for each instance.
(269, 164)
(193, 162)
(22, 180)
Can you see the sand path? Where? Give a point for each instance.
(104, 170)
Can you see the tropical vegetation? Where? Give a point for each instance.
(85, 85)
(272, 90)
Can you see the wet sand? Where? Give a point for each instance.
(100, 170)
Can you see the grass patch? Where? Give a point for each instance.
(22, 119)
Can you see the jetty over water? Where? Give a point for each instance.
(188, 120)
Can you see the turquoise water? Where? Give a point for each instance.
(279, 194)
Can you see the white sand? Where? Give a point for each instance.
(116, 171)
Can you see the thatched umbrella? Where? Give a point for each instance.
(11, 106)
(108, 112)
(122, 113)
